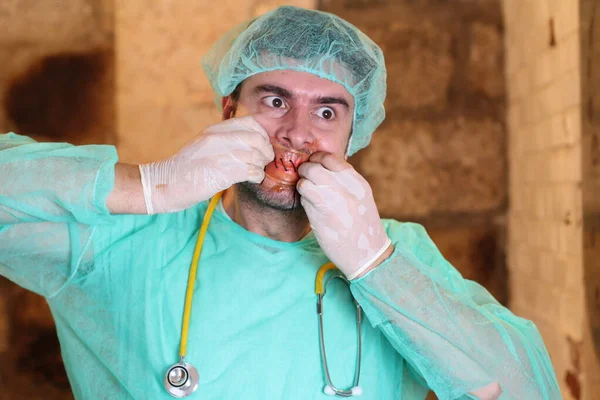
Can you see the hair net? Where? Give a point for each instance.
(305, 40)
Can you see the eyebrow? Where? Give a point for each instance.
(334, 100)
(279, 91)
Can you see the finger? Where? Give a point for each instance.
(330, 161)
(307, 205)
(308, 191)
(235, 172)
(303, 185)
(255, 174)
(247, 130)
(253, 125)
(311, 171)
(249, 157)
(262, 154)
(316, 173)
(266, 148)
(255, 142)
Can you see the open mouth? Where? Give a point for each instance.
(284, 169)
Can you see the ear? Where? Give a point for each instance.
(229, 107)
(347, 147)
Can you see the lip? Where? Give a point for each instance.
(284, 168)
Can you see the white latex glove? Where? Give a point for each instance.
(232, 151)
(342, 213)
(490, 392)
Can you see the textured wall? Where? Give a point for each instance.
(129, 73)
(56, 81)
(441, 148)
(98, 71)
(163, 97)
(590, 138)
(550, 154)
(439, 158)
(56, 84)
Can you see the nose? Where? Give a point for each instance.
(295, 129)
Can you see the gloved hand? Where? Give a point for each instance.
(232, 151)
(342, 213)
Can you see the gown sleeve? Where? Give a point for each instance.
(451, 330)
(52, 198)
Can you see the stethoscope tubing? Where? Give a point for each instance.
(184, 385)
(321, 289)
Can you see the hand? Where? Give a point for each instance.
(233, 151)
(342, 212)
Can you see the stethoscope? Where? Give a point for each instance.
(182, 378)
(320, 291)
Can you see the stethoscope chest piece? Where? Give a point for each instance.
(181, 379)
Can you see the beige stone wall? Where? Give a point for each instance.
(590, 69)
(56, 84)
(441, 149)
(59, 59)
(56, 79)
(544, 64)
(163, 96)
(439, 158)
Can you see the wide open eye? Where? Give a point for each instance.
(274, 102)
(326, 113)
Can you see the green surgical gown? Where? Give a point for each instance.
(116, 284)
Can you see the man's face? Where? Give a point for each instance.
(301, 112)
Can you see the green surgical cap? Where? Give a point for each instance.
(305, 40)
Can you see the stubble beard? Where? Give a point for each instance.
(284, 199)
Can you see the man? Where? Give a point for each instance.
(300, 91)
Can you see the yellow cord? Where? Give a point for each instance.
(320, 275)
(189, 293)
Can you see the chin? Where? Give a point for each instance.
(272, 194)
